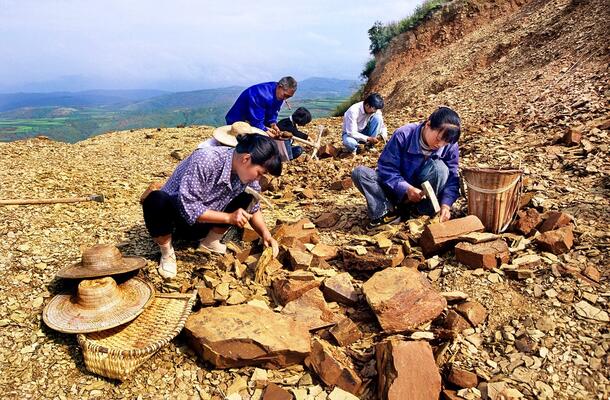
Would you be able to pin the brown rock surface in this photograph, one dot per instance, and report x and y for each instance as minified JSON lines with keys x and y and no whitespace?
{"x":275,"y":392}
{"x":527,"y":221}
{"x":346,"y":332}
{"x":455,"y":322}
{"x":287,"y":290}
{"x":402,"y":299}
{"x":324,"y":251}
{"x":327,"y":219}
{"x":558,"y":241}
{"x":333,"y":366}
{"x":327,"y":151}
{"x":311,"y":310}
{"x":299,"y":259}
{"x":343,"y":184}
{"x":486,"y":255}
{"x":297,"y":231}
{"x":407,"y":370}
{"x":373,"y":260}
{"x":437,"y":237}
{"x":462,"y":378}
{"x":473,"y":311}
{"x":244,"y":335}
{"x":339,"y":288}
{"x":555,"y":220}
{"x":572,"y":137}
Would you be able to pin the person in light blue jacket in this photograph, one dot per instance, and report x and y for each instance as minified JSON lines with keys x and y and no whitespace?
{"x":418,"y":152}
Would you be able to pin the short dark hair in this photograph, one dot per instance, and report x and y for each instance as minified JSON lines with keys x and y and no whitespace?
{"x":301,"y":116}
{"x":262,"y":151}
{"x":288,"y":82}
{"x":447,"y":121}
{"x":374,"y":100}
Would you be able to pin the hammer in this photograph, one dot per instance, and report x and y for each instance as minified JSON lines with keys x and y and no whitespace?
{"x":427,"y":188}
{"x":257,"y":197}
{"x":94,"y":197}
{"x":233,"y":231}
{"x":315,"y":145}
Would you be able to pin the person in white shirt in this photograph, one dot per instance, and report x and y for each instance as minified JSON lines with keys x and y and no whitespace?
{"x":363,"y":122}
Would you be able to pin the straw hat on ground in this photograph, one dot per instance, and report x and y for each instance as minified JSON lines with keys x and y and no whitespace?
{"x":227,"y":135}
{"x":99,"y":304}
{"x":101,"y":260}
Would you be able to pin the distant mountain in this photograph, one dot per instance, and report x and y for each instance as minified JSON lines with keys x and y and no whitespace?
{"x":316,"y":88}
{"x":187,"y":100}
{"x":89,"y":98}
{"x":310,"y":89}
{"x":73,"y":116}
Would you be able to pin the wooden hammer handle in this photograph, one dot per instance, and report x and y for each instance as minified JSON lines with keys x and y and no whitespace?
{"x":13,"y":202}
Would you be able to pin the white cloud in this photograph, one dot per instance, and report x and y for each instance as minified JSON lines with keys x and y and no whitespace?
{"x":207,"y":43}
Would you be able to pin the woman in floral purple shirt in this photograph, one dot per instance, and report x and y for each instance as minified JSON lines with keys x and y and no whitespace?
{"x":205,"y":195}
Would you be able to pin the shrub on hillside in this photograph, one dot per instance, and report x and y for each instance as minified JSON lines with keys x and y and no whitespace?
{"x":380,"y":35}
{"x":368,"y":68}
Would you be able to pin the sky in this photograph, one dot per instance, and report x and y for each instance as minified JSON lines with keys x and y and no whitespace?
{"x":49,"y":45}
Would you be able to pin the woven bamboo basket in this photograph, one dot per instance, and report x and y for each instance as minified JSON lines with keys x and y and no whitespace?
{"x":117,"y":352}
{"x":493,"y":195}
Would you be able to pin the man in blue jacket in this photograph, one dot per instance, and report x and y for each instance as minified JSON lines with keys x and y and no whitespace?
{"x":260,"y":104}
{"x":419,"y":152}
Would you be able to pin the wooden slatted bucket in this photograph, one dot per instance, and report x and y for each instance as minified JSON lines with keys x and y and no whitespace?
{"x":493,"y":195}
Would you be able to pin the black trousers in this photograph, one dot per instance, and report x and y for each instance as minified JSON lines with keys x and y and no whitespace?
{"x":163,"y":218}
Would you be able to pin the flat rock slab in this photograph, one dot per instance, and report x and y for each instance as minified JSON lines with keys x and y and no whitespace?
{"x":324,"y":251}
{"x":298,"y":231}
{"x":437,"y":237}
{"x":462,"y":378}
{"x":275,"y":392}
{"x":333,"y":366}
{"x":327,"y":151}
{"x":402,"y":299}
{"x":311,"y":310}
{"x":527,"y":221}
{"x":407,"y":370}
{"x":245,"y":335}
{"x":339,"y":288}
{"x":454,"y":322}
{"x":289,"y":289}
{"x":374,"y":259}
{"x":558,"y":241}
{"x":346,"y":332}
{"x":327,"y":219}
{"x":299,"y":259}
{"x":488,"y":255}
{"x":555,"y":220}
{"x":473,"y":311}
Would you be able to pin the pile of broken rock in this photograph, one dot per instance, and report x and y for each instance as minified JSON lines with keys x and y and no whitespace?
{"x":362,"y":337}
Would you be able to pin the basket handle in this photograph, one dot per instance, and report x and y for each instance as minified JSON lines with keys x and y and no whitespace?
{"x":493,"y":191}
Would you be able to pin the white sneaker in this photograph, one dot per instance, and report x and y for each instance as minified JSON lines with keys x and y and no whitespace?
{"x":167,"y":266}
{"x":212,"y":243}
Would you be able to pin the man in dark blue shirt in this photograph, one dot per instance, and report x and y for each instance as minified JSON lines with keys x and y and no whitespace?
{"x":260,"y":104}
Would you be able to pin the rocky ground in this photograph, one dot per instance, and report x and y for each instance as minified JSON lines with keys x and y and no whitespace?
{"x":534,"y":340}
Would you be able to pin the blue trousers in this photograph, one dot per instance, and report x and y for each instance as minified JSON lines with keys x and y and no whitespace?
{"x":371,"y":129}
{"x":379,"y":201}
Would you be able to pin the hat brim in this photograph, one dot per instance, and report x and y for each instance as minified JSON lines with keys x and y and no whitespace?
{"x":63,"y":314}
{"x":78,"y":271}
{"x":222,"y":135}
